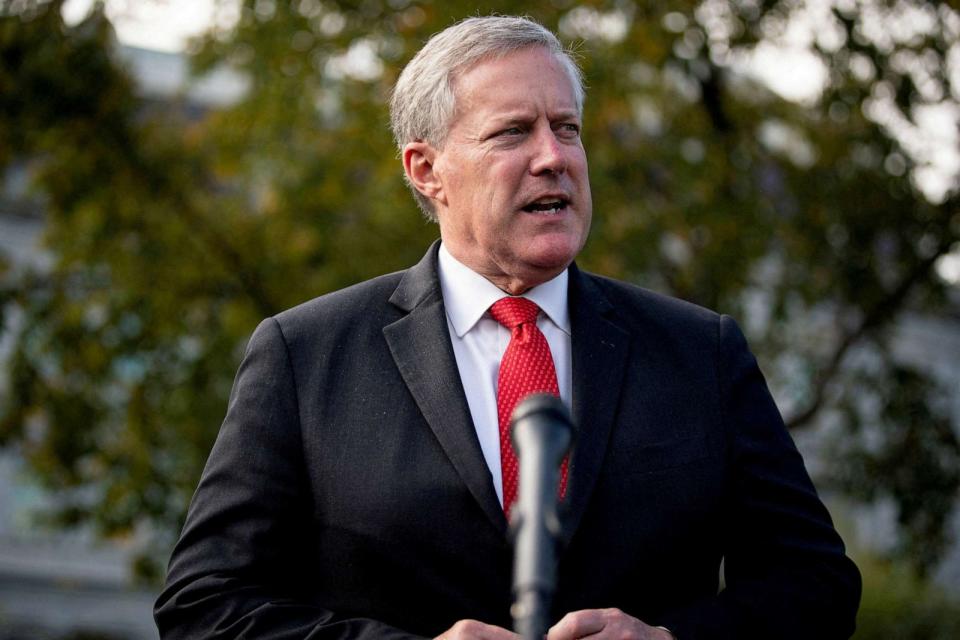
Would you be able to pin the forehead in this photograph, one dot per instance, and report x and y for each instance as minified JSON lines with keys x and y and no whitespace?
{"x":531,"y":76}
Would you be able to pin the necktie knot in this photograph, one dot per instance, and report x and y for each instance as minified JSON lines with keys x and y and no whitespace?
{"x":513,"y":312}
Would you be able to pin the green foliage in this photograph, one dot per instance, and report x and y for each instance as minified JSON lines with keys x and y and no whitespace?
{"x":173,"y":233}
{"x":910,"y":453}
{"x":896,"y":604}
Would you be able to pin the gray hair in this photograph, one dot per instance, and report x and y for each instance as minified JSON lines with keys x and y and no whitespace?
{"x":423,"y":102}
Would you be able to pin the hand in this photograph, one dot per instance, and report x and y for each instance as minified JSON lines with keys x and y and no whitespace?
{"x":474,"y":630}
{"x":604,"y":624}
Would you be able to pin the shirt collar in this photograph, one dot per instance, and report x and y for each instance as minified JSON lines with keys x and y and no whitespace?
{"x":467,"y":295}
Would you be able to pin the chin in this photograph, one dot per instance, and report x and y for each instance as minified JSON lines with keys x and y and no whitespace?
{"x":546,"y":265}
{"x":553,"y":253}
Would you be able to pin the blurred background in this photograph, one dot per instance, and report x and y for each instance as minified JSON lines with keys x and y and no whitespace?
{"x":173,"y":171}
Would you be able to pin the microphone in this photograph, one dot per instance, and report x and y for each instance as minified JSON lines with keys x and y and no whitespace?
{"x":542,"y":433}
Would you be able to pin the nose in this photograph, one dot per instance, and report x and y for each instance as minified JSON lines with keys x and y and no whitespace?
{"x":548,"y":153}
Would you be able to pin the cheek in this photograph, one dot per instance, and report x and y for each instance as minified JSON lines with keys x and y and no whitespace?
{"x":505,"y":173}
{"x":578,"y":161}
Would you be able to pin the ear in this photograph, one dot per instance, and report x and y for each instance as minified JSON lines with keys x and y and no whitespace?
{"x":418,"y":163}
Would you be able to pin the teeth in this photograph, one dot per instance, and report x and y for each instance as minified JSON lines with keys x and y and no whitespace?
{"x":552,"y":206}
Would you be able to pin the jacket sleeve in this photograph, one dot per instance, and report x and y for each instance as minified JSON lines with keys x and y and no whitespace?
{"x":239,"y":568}
{"x":786,"y":572}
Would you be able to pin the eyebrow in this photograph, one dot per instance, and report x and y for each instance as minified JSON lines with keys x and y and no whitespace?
{"x":523,"y":116}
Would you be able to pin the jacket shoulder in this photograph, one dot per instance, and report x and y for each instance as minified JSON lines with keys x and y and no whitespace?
{"x":631,"y":302}
{"x":362,"y":304}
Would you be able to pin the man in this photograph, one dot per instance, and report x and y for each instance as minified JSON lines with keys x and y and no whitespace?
{"x":358,"y":484}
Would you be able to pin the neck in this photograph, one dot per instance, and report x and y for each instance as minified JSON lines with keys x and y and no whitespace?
{"x":515,"y":283}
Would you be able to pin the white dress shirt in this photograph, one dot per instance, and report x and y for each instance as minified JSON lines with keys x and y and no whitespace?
{"x":479,"y":342}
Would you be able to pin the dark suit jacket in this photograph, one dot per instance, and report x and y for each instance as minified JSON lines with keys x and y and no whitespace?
{"x":347,"y":496}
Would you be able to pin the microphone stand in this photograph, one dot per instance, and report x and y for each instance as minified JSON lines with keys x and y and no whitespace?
{"x":542,"y":434}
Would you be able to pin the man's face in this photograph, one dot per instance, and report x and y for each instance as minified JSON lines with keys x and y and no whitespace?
{"x":514,"y":196}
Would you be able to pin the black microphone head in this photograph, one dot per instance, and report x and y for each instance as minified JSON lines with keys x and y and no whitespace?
{"x":546,"y":411}
{"x":544,"y":403}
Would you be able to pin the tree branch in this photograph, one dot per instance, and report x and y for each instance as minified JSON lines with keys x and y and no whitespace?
{"x":248,"y":279}
{"x":880,"y":313}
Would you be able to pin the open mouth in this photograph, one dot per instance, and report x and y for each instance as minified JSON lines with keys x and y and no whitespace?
{"x":550,"y":206}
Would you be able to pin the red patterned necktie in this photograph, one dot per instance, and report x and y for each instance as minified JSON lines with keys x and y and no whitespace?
{"x":526,"y":368}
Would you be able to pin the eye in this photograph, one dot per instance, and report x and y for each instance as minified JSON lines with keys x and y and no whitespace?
{"x":511,"y":131}
{"x":570,"y":129}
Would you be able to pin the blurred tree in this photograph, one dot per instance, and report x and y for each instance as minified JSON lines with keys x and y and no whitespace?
{"x":903,"y":607}
{"x":172,"y":235}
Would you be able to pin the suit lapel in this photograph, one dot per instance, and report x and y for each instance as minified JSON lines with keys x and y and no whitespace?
{"x":600,"y":354}
{"x":420,"y":344}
